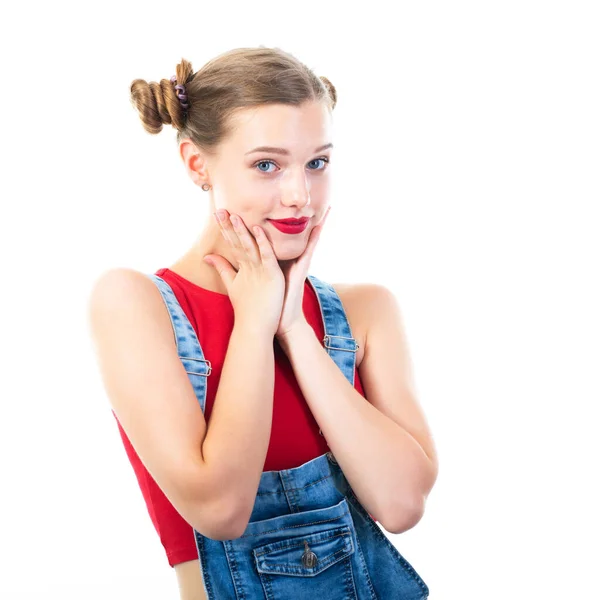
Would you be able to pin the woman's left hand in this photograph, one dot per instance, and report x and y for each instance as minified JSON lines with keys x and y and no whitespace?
{"x":295,"y":273}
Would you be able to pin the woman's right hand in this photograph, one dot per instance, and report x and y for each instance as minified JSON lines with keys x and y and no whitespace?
{"x":257,"y":288}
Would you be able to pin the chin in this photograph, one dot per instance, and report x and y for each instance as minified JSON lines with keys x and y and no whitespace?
{"x":288,"y":254}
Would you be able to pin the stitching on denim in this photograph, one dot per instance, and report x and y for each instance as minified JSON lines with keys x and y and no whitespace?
{"x":411,"y":571}
{"x":205,"y":574}
{"x":365,"y":570}
{"x":350,"y":583}
{"x":300,"y":542}
{"x":330,"y":560}
{"x":295,"y":526}
{"x":233,"y":571}
{"x":266,"y":582}
{"x":296,"y":488}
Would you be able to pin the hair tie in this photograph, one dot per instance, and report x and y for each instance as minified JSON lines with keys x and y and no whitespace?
{"x":181,"y":93}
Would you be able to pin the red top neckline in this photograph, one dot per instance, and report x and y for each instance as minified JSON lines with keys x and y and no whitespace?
{"x":192,"y":285}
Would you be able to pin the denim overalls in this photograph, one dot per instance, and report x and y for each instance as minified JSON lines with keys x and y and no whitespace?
{"x":308,"y":535}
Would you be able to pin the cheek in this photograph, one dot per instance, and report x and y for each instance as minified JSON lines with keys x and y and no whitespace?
{"x":252,"y":214}
{"x":240,"y":200}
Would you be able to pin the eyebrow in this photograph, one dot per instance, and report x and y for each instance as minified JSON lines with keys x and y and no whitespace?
{"x":275,"y":150}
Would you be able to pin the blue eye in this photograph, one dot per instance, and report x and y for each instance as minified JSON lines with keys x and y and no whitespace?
{"x":270,"y":162}
{"x":264,"y":162}
{"x":326,"y":160}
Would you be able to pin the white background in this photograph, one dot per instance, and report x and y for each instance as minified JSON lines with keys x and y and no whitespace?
{"x":467,"y":147}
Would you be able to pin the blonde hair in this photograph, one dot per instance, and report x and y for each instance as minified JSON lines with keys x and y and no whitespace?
{"x":238,"y":79}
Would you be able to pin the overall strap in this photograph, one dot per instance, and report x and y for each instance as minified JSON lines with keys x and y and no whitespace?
{"x":188,"y":346}
{"x":338,"y":340}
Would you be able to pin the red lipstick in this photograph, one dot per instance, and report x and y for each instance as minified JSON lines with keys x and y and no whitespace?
{"x":290,"y":225}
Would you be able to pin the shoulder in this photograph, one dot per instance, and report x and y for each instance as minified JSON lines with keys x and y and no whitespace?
{"x":360,"y":291}
{"x":363,"y":297}
{"x":368,"y":302}
{"x":122,"y":291}
{"x":361,"y":302}
{"x":118,"y":281}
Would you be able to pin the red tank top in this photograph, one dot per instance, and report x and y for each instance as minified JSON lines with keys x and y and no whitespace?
{"x":295,"y":437}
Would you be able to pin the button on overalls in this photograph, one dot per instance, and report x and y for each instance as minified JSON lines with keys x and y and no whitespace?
{"x":308,"y":535}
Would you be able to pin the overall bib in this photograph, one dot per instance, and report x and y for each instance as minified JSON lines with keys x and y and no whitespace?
{"x":308,"y":535}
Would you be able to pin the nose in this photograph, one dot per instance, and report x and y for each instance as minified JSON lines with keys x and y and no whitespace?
{"x":295,"y":190}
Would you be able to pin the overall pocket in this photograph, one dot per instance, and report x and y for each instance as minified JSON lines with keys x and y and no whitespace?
{"x":316,"y":565}
{"x":392,"y":575}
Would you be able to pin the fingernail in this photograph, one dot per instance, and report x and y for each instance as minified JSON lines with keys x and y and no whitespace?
{"x":220,"y":215}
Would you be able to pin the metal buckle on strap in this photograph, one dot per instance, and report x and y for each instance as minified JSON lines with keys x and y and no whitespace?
{"x":325,"y":339}
{"x":200,"y":360}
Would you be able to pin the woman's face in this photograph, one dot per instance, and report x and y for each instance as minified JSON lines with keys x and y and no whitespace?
{"x":267,"y":184}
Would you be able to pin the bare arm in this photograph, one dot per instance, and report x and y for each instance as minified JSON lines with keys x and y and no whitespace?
{"x":189,"y":580}
{"x":209,"y":474}
{"x":240,"y":423}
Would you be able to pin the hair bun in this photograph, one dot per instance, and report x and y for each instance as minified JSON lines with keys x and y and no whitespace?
{"x":331,"y":89}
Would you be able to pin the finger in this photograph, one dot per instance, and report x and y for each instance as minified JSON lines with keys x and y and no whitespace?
{"x":315,"y":234}
{"x":246,"y":240}
{"x":239,"y":238}
{"x":221,"y":224}
{"x":313,"y":241}
{"x":223,"y":268}
{"x":229,"y":233}
{"x":325,"y":217}
{"x":264,"y":245}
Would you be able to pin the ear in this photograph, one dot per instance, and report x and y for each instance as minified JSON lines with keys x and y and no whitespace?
{"x":194,"y":161}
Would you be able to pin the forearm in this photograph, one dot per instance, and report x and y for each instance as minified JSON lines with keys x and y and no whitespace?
{"x":388,"y":470}
{"x":189,"y":580}
{"x":238,"y":433}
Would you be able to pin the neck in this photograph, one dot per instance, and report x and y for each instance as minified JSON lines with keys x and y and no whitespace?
{"x":191,"y":265}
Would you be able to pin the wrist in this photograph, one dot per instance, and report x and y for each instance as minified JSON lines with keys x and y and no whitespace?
{"x":298,"y":328}
{"x":252,"y":330}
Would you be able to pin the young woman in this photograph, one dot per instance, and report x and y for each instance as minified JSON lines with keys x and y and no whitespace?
{"x":270,"y":417}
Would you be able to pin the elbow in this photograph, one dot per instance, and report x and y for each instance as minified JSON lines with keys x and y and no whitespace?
{"x":220,"y":522}
{"x":226,"y":531}
{"x":214,"y":509}
{"x":407,"y":515}
{"x":231,"y":529}
{"x":218,"y":528}
{"x":404,"y":518}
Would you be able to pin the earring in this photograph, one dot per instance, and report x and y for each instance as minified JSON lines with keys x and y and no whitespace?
{"x":206,"y":187}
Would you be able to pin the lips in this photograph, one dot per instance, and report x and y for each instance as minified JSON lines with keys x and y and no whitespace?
{"x":290,"y":225}
{"x":290,"y":221}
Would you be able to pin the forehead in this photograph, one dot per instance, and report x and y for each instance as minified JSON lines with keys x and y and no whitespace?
{"x":298,"y":128}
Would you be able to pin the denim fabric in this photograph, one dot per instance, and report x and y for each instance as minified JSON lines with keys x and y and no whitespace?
{"x":308,"y":535}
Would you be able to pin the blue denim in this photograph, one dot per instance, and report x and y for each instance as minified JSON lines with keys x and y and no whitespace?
{"x":308,"y":535}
